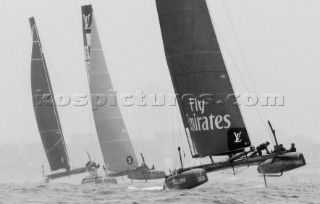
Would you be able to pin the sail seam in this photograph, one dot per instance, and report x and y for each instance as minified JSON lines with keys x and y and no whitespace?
{"x":108,"y":118}
{"x":48,"y":150}
{"x":99,"y":72}
{"x":191,"y":53}
{"x":122,"y":140}
{"x":198,"y":72}
{"x":49,"y":131}
{"x":170,"y":10}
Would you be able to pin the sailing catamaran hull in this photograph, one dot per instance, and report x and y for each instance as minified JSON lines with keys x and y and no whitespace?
{"x":282,"y":163}
{"x":74,"y":179}
{"x":95,"y":178}
{"x":187,"y":179}
{"x":147,"y":175}
{"x":268,"y":164}
{"x":67,"y":173}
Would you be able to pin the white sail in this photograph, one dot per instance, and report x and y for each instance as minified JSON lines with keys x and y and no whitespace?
{"x":113,"y":137}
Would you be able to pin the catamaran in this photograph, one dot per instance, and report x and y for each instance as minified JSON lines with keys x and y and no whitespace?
{"x":200,"y":79}
{"x":116,"y":147}
{"x":46,"y":113}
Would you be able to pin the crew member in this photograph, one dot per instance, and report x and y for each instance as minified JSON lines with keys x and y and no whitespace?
{"x":153,"y":168}
{"x":263,"y":146}
{"x":292,"y":148}
{"x":88,"y":164}
{"x":276,"y":149}
{"x":281,"y":148}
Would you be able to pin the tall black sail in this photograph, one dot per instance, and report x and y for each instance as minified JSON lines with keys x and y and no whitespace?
{"x":113,"y":137}
{"x":206,"y":98}
{"x":45,"y":107}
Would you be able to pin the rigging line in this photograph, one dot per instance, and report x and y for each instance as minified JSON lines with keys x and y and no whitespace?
{"x":180,"y":132}
{"x":173,"y":141}
{"x":241,"y":77}
{"x":244,"y":59}
{"x":242,"y":53}
{"x":180,"y":144}
{"x":223,"y":58}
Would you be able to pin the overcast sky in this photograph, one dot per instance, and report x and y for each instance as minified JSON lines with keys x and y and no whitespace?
{"x":279,"y":39}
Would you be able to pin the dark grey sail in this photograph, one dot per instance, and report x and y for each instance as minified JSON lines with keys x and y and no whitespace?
{"x":113,"y":137}
{"x":45,"y":107}
{"x":212,"y":118}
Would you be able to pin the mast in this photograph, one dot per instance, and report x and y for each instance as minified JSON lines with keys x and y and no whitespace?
{"x":143,"y":161}
{"x":114,"y":140}
{"x":199,"y":76}
{"x":45,"y":107}
{"x":180,"y":158}
{"x":274,"y":134}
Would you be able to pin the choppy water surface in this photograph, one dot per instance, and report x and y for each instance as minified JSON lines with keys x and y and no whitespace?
{"x":219,"y":190}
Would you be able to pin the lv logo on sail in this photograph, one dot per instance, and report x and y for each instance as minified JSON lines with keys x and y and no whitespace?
{"x":237,"y":136}
{"x":129,"y":160}
{"x":86,"y":21}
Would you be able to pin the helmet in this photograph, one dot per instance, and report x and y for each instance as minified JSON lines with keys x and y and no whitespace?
{"x":292,"y":144}
{"x":267,"y":143}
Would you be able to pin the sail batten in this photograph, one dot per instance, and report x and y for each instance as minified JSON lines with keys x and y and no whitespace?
{"x":114,"y":140}
{"x":206,"y":98}
{"x":45,"y":107}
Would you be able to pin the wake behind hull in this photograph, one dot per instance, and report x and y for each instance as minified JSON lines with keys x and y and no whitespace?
{"x":147,"y":175}
{"x":98,"y":180}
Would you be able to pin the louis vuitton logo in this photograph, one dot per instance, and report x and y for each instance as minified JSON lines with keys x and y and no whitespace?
{"x":237,"y":136}
{"x":129,"y":160}
{"x":86,"y":21}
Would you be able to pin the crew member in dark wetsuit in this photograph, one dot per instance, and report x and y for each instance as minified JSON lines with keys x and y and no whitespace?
{"x":91,"y":165}
{"x":275,"y":150}
{"x":263,"y":146}
{"x":281,"y":148}
{"x":88,"y":164}
{"x":292,"y":148}
{"x":252,"y":148}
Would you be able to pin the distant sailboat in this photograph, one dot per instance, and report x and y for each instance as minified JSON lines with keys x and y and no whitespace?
{"x":116,"y":147}
{"x":46,"y":112}
{"x":213,"y":126}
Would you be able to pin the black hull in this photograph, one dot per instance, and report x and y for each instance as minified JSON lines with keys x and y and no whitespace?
{"x":187,"y":179}
{"x":282,"y":163}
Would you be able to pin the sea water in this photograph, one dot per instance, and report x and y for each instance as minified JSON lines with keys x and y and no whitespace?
{"x":221,"y":188}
